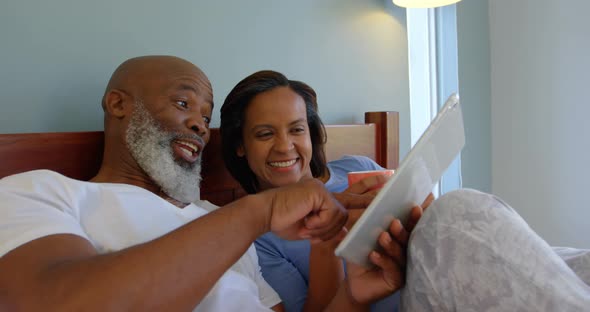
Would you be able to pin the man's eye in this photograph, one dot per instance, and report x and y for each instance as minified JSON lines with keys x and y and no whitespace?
{"x":207,"y":119}
{"x":183,"y":104}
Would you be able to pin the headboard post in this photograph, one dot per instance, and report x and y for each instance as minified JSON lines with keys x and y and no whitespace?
{"x":387,"y":137}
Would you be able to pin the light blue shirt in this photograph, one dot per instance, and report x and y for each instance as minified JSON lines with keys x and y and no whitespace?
{"x":285,"y":264}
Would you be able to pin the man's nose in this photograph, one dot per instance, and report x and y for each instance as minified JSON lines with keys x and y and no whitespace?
{"x":198,"y":125}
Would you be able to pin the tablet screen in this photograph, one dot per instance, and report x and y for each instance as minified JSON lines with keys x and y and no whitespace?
{"x":415,"y":178}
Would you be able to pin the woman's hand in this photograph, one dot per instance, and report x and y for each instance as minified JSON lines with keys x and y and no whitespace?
{"x":369,"y":185}
{"x":388,"y":275}
{"x":370,"y":284}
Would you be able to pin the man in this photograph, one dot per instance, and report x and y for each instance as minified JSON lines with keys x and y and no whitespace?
{"x":136,"y":237}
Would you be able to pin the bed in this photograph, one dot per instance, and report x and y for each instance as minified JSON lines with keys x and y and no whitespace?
{"x":78,"y":154}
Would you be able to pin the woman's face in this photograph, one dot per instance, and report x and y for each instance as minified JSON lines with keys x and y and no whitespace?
{"x":276,"y":138}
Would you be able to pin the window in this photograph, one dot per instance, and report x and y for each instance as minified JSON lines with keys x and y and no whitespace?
{"x":432,"y":45}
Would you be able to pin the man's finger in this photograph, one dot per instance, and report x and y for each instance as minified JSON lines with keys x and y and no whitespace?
{"x":326,"y":218}
{"x":321,"y":235}
{"x":354,"y":201}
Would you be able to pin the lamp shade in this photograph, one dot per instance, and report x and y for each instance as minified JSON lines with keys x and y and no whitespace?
{"x":423,"y":3}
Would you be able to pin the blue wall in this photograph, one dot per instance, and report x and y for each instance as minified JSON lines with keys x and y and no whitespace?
{"x":473,"y":49}
{"x":57,"y":56}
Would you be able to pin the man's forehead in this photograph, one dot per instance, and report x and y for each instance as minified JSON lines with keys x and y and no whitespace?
{"x":200,"y":87}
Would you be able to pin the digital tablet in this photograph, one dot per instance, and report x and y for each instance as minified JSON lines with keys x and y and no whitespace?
{"x":412,"y":181}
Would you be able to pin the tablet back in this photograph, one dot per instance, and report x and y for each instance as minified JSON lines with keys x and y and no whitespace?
{"x":413,"y":180}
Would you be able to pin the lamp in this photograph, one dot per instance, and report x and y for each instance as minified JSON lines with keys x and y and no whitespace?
{"x":423,"y":3}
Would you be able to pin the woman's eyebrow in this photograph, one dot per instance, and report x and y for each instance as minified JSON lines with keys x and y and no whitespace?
{"x":300,"y":120}
{"x":265,"y":126}
{"x":259,"y":127}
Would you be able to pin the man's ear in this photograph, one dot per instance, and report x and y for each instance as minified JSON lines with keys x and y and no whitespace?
{"x":240,"y":151}
{"x":116,"y":103}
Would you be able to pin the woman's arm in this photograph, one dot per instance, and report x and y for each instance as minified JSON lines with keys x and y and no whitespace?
{"x":364,"y":286}
{"x":282,"y":271}
{"x":326,"y":274}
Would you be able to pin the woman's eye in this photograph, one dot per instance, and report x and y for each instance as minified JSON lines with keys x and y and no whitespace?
{"x":183,"y":104}
{"x":298,"y":130}
{"x":207,"y":119}
{"x":263,"y":134}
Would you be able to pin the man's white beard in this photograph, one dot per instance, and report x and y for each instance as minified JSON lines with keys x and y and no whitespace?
{"x":150,"y":145}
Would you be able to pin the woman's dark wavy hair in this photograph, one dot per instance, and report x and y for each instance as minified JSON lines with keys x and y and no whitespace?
{"x":232,"y":122}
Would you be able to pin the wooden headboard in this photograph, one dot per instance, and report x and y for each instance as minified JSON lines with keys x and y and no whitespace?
{"x":78,"y":154}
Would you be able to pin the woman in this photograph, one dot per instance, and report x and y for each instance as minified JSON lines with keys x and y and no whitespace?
{"x":465,"y":234}
{"x":272,"y":136}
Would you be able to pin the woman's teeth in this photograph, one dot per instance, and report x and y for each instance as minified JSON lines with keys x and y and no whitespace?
{"x":282,"y":164}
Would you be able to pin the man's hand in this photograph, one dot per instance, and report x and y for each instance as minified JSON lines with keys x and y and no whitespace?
{"x":354,"y":201}
{"x":355,"y":204}
{"x":305,"y":210}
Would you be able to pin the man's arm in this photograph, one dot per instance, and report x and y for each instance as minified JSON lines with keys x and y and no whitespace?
{"x":173,"y":272}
